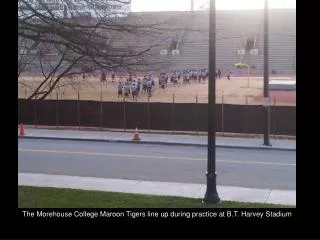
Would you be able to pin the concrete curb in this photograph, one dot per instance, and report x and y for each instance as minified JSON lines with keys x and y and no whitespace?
{"x":190,"y":133}
{"x":159,"y":143}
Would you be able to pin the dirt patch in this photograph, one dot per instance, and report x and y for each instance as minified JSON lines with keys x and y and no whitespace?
{"x":236,"y":91}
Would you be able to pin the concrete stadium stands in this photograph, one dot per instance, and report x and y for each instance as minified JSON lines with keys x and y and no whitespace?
{"x":233,"y":28}
{"x":191,"y":31}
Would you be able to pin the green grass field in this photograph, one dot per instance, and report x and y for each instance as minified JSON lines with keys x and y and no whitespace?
{"x":38,"y":197}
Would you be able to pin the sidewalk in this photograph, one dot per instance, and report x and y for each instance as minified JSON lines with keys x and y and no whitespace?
{"x":226,"y":193}
{"x":163,"y":139}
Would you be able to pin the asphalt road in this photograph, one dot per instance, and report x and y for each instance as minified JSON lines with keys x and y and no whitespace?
{"x":235,"y":167}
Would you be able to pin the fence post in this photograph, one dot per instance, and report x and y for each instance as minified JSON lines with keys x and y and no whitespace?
{"x":245,"y":116}
{"x":25,"y":91}
{"x":57,"y":110}
{"x":35,"y":119}
{"x":124,"y":114}
{"x":100,"y":89}
{"x":148,"y":115}
{"x":78,"y":103}
{"x":101,"y":112}
{"x":172,"y":115}
{"x":274,"y":116}
{"x":197,"y":115}
{"x":222,"y":113}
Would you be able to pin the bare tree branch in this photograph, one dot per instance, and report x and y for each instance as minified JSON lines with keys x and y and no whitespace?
{"x":66,"y":45}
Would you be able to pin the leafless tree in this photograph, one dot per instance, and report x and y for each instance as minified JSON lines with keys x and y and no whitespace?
{"x":64,"y":38}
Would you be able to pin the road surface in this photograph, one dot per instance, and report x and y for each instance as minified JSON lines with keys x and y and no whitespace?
{"x":235,"y":167}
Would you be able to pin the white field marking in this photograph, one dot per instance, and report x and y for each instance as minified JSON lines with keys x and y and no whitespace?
{"x":152,"y":157}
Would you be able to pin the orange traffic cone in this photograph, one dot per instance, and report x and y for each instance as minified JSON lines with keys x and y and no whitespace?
{"x":136,"y":136}
{"x":21,"y":129}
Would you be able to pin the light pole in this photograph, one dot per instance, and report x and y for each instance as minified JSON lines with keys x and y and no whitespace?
{"x":266,"y":137}
{"x":211,"y":195}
